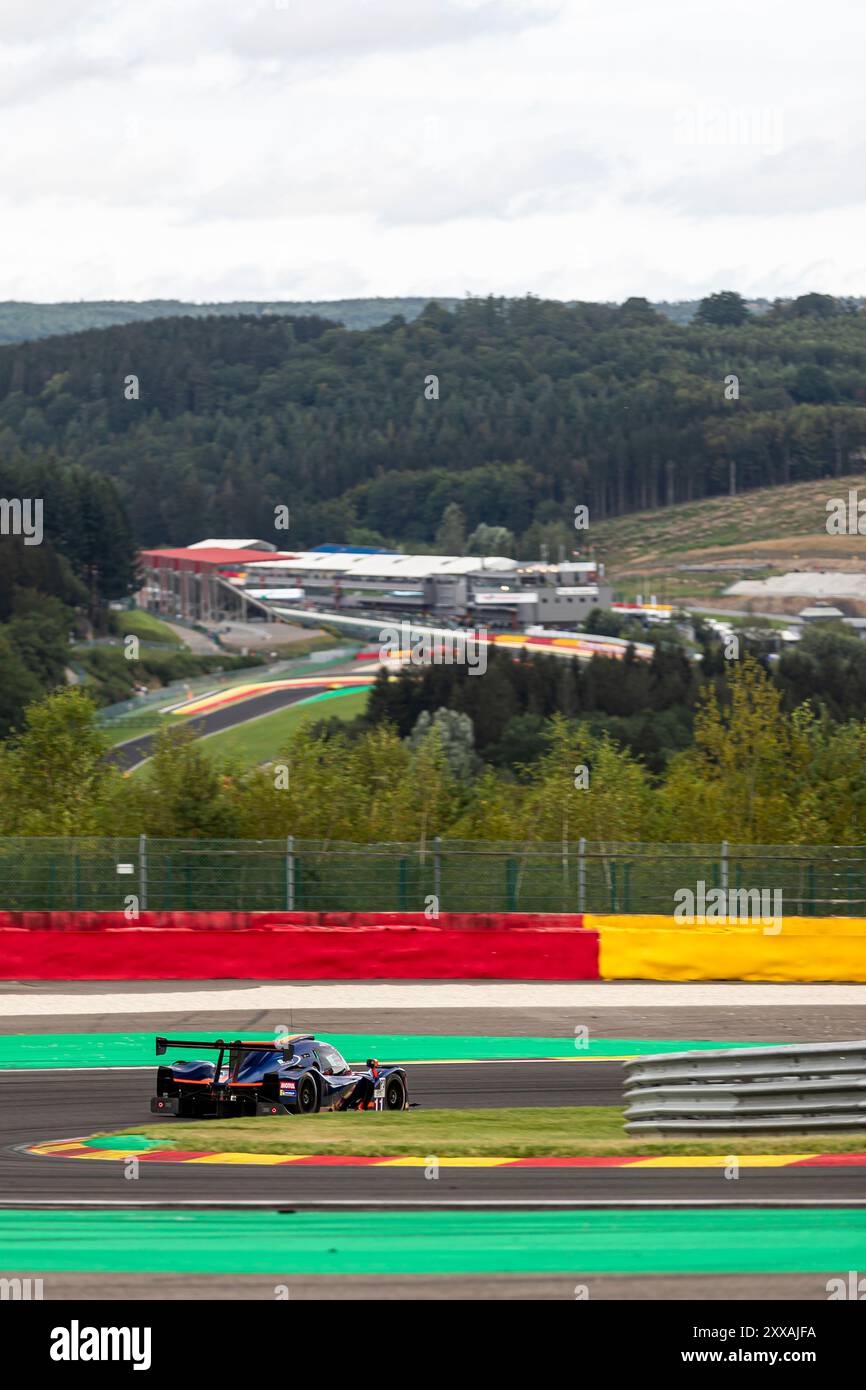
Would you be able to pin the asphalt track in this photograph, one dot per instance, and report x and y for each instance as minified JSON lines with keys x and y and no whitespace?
{"x":39,"y":1105}
{"x":137,"y":750}
{"x":236,"y":1006}
{"x":43,"y":1105}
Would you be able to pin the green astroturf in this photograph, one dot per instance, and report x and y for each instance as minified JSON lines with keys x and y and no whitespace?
{"x":36,"y":1050}
{"x":292,"y":1244}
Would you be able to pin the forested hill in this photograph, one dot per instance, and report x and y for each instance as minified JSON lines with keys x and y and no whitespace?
{"x":21,"y":321}
{"x":540,"y":406}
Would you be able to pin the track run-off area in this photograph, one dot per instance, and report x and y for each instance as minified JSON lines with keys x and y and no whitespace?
{"x":235,"y":705}
{"x":76,"y":1060}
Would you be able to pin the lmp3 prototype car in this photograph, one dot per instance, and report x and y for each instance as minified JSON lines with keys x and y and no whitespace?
{"x":297,"y":1075}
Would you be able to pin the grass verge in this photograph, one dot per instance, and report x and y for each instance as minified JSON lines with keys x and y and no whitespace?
{"x":147,"y":627}
{"x":263,"y":737}
{"x":136,"y":726}
{"x":563,"y":1131}
{"x":782,"y":526}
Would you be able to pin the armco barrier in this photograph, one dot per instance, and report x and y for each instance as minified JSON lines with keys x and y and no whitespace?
{"x":294,"y":946}
{"x":806,"y":949}
{"x":796,"y":1088}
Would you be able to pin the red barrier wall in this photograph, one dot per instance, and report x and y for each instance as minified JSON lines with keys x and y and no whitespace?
{"x":286,"y":921}
{"x":295,"y":946}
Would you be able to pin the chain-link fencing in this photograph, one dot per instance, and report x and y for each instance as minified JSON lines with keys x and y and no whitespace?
{"x":78,"y":874}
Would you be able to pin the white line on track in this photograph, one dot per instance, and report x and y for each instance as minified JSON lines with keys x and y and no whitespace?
{"x":289,"y":1204}
{"x":427,"y":995}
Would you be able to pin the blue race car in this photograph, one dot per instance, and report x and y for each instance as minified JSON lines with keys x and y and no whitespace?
{"x":298,"y":1075}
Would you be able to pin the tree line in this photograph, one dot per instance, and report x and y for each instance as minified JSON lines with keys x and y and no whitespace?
{"x":754,"y":771}
{"x":85,"y":556}
{"x":647,"y":708}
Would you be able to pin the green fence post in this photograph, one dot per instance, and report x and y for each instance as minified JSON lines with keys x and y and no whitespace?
{"x":849,"y":889}
{"x":437,"y":872}
{"x":142,"y":872}
{"x":626,"y":887}
{"x":290,"y":873}
{"x":402,"y":888}
{"x":77,"y":882}
{"x":581,"y":875}
{"x":510,"y":886}
{"x":811,"y":882}
{"x":613,"y":887}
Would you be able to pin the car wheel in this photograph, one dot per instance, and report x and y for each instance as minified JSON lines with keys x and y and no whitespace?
{"x":307,"y":1101}
{"x":395,"y":1093}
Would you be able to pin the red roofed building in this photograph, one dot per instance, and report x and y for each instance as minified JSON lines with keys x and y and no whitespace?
{"x":187,"y":582}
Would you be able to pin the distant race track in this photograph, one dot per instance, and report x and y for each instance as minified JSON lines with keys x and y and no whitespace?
{"x":128,"y":755}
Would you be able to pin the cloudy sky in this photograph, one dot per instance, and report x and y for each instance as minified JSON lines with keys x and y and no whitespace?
{"x":320,"y":149}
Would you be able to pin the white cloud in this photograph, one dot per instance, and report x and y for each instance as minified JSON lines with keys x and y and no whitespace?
{"x":811,"y":177}
{"x":221,"y":149}
{"x":401,"y":188}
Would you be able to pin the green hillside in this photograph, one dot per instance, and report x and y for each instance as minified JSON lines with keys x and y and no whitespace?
{"x":697,"y":549}
{"x":509,"y":412}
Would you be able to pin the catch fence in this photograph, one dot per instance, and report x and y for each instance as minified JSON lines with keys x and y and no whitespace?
{"x":89,"y":874}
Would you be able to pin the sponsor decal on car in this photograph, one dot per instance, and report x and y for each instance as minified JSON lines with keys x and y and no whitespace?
{"x":287,"y":1088}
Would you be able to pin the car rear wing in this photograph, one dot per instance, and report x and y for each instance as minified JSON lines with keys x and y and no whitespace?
{"x":221,"y":1045}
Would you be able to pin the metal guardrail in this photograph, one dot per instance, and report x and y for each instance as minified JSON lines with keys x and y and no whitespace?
{"x":793,"y":1089}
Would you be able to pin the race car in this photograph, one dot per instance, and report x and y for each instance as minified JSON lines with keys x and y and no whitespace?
{"x":297,"y":1075}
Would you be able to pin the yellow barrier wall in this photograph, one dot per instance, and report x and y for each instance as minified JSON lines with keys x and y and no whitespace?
{"x":807,"y":949}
